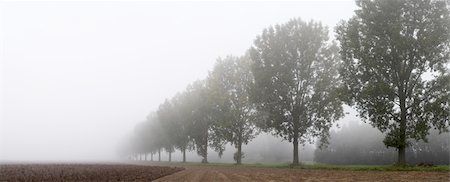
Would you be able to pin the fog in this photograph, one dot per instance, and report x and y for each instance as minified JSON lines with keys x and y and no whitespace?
{"x":76,"y":77}
{"x":264,"y":149}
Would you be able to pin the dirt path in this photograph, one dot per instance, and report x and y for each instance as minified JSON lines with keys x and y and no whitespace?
{"x":219,"y":173}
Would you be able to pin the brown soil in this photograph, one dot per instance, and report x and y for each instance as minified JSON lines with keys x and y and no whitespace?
{"x":219,"y":173}
{"x":82,"y":172}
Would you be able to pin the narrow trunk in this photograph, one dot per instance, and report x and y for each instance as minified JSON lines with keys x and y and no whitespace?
{"x":295,"y":143}
{"x":239,"y":154}
{"x":151,"y":157}
{"x":145,"y":156}
{"x":159,"y":155}
{"x":239,"y":149}
{"x":205,"y":159}
{"x":296,"y":161}
{"x":170,"y":156}
{"x":401,"y":160}
{"x":205,"y":154}
{"x":184,"y":155}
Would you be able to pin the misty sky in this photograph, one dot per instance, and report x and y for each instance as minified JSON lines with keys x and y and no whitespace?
{"x":77,"y":76}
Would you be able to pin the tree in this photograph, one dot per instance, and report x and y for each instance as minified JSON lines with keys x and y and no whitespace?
{"x":142,"y":143}
{"x":230,"y":81}
{"x":388,"y":49}
{"x":146,"y":138}
{"x":139,"y":143}
{"x":172,"y":116}
{"x":156,"y":134}
{"x":161,"y":131}
{"x":360,"y":143}
{"x":354,"y":144}
{"x":295,"y":71}
{"x":202,"y":114}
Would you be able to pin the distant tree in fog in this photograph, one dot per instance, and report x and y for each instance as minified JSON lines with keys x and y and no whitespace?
{"x":355,"y":144}
{"x":147,"y":137}
{"x":141,"y":140}
{"x":295,"y":71}
{"x":230,"y":82}
{"x":387,"y":48}
{"x":202,"y":114}
{"x":359,"y":143}
{"x":436,"y":150}
{"x":156,"y":135}
{"x":172,"y":115}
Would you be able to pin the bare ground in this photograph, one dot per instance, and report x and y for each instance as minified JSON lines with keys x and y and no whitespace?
{"x":82,"y":172}
{"x":220,"y":173}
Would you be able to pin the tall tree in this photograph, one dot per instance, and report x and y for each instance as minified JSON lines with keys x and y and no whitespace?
{"x":295,"y":71}
{"x":394,"y":56}
{"x":172,"y":116}
{"x":139,"y":138}
{"x":166,"y":125}
{"x":230,"y":83}
{"x":203,"y":116}
{"x":156,"y":134}
{"x":147,"y":137}
{"x":144,"y":139}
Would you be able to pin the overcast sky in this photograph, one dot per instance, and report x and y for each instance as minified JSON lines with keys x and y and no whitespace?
{"x":75,"y":77}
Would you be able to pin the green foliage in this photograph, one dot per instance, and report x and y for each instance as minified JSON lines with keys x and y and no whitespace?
{"x":387,"y":48}
{"x":171,"y":115}
{"x":296,"y":76}
{"x":443,"y":168}
{"x":230,"y":81}
{"x":148,"y":136}
{"x":202,"y":114}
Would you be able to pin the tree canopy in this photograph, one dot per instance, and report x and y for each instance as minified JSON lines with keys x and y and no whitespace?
{"x":394,"y":55}
{"x":230,"y":83}
{"x":295,"y":71}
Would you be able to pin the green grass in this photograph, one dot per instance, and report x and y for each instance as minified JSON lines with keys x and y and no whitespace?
{"x":376,"y":167}
{"x":443,"y":168}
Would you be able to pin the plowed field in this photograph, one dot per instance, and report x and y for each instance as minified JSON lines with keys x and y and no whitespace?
{"x":82,"y":172}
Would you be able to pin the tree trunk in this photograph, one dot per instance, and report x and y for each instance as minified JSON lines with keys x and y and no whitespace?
{"x":239,"y":154}
{"x":239,"y":151}
{"x":205,"y":154}
{"x":295,"y":143}
{"x":401,"y":160}
{"x":151,"y":157}
{"x":295,"y":161}
{"x":184,"y":155}
{"x":145,"y":156}
{"x":159,"y":155}
{"x":170,"y":156}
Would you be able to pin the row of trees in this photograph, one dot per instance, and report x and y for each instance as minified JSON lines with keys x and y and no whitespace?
{"x":293,"y":81}
{"x":209,"y":113}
